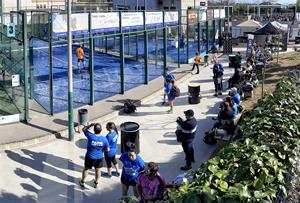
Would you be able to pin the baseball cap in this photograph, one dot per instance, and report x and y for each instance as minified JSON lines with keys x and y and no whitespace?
{"x":233,"y":90}
{"x":189,"y":112}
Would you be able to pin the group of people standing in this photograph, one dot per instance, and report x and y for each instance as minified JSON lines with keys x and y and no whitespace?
{"x":147,"y":183}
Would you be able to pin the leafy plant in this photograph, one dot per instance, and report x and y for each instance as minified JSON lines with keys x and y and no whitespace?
{"x":257,"y":164}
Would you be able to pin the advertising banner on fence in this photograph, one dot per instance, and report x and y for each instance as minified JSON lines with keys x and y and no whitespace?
{"x":105,"y":22}
{"x":216,"y":13}
{"x":154,"y":19}
{"x":171,"y":17}
{"x":132,"y":20}
{"x":202,"y":15}
{"x":79,"y":23}
{"x":222,"y":13}
{"x":210,"y":15}
{"x":192,"y":16}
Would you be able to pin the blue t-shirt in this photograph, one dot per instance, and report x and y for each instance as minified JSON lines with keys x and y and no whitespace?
{"x":236,"y":98}
{"x":112,"y":139}
{"x":131,"y":169}
{"x":234,"y":111}
{"x":169,"y":90}
{"x":168,"y":76}
{"x":96,"y":145}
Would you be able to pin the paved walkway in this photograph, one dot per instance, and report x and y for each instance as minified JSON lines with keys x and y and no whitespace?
{"x":50,"y":172}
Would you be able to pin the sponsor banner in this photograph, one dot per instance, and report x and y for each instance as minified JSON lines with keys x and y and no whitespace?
{"x":216,"y":13}
{"x":202,"y":15}
{"x":210,"y":14}
{"x":132,"y":19}
{"x":222,"y":13}
{"x":192,"y":16}
{"x":154,"y":19}
{"x":105,"y":22}
{"x":171,"y":17}
{"x":79,"y":23}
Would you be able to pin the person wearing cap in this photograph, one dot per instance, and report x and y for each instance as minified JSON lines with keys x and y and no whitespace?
{"x":218,"y":71}
{"x":235,"y":96}
{"x":150,"y":184}
{"x":80,"y":57}
{"x":188,"y":130}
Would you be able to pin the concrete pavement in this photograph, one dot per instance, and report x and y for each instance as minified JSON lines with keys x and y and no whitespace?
{"x":50,"y":172}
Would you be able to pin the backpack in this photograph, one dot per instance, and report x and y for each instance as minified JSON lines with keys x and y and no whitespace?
{"x":129,"y":107}
{"x":210,"y":138}
{"x":175,"y":91}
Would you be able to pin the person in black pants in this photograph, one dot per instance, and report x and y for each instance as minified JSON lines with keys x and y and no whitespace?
{"x":188,"y":130}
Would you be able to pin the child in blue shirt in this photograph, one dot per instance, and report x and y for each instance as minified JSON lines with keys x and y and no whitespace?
{"x":167,"y":76}
{"x":110,"y":156}
{"x":96,"y":145}
{"x":133,"y":164}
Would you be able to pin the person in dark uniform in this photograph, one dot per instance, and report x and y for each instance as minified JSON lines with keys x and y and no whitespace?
{"x":188,"y":130}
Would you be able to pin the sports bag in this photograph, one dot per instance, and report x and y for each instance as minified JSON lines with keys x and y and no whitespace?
{"x":176,"y":91}
{"x":129,"y":107}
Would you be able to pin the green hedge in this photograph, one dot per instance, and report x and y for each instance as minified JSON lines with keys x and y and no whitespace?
{"x":259,"y":163}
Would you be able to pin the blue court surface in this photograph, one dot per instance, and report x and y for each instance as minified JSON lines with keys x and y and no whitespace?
{"x":107,"y":80}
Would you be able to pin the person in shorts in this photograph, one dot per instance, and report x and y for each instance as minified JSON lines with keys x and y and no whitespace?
{"x":110,"y":156}
{"x":96,"y":145}
{"x":133,"y":164}
{"x":196,"y":62}
{"x":80,"y":57}
{"x":167,"y":76}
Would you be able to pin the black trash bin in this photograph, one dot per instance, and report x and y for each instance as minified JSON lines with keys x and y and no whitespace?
{"x":83,"y":117}
{"x":297,"y":40}
{"x":232,"y":61}
{"x":130,"y":133}
{"x":194,"y":93}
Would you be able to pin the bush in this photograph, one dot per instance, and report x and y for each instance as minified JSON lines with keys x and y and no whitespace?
{"x":259,"y":163}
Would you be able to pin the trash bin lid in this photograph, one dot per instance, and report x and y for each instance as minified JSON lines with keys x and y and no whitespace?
{"x":194,"y":84}
{"x":82,"y":111}
{"x":130,"y":127}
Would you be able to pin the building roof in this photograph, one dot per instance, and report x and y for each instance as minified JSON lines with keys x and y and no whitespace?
{"x":250,"y":23}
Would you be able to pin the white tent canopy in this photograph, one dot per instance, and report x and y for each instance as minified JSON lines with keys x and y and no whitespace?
{"x":245,"y":27}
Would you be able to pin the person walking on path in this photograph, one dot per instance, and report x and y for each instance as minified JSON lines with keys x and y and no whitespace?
{"x":196,"y":62}
{"x":188,"y":130}
{"x":133,"y":164}
{"x":172,"y":92}
{"x":80,"y":57}
{"x":167,"y":76}
{"x":150,"y":184}
{"x":218,"y":71}
{"x":96,"y":145}
{"x":110,"y":156}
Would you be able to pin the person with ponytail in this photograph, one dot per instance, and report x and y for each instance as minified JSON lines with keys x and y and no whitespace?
{"x":110,"y":156}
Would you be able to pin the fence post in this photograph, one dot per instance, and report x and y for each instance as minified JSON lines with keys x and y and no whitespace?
{"x":165,"y":41}
{"x":122,"y":57}
{"x":179,"y":36}
{"x":50,"y":64}
{"x":31,"y":75}
{"x":199,"y":33}
{"x":187,"y":36}
{"x":207,"y":37}
{"x":145,"y":50}
{"x":91,"y":61}
{"x":122,"y":62}
{"x":25,"y":46}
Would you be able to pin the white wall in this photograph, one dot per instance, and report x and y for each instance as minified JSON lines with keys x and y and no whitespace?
{"x":11,"y":5}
